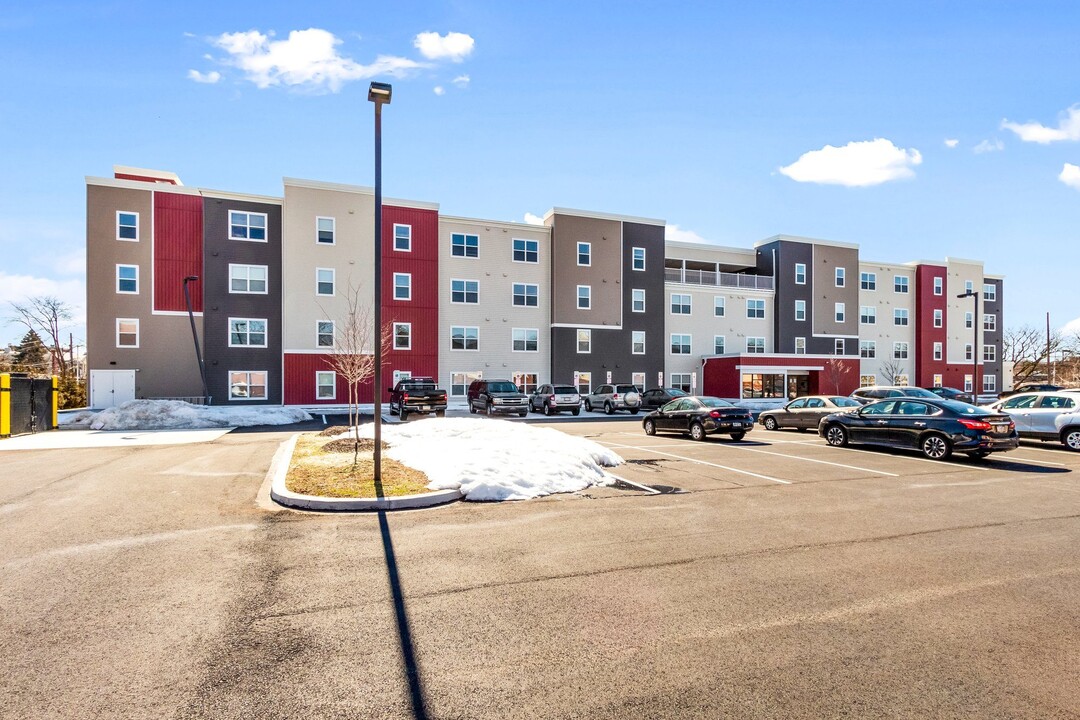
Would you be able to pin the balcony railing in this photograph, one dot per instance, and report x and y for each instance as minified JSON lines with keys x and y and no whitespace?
{"x":718,"y":279}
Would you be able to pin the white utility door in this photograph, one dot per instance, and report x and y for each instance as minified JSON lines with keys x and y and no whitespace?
{"x":109,"y":388}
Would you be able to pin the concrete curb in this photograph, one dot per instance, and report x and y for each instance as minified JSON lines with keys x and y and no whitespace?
{"x":279,"y":468}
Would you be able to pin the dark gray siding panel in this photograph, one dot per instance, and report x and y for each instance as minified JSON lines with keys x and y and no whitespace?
{"x":995,"y":337}
{"x":787,"y":292}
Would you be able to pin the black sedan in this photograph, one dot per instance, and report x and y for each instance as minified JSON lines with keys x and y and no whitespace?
{"x":699,"y":416}
{"x":934,"y":427}
{"x":658,"y":397}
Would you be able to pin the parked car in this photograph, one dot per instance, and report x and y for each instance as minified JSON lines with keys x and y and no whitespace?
{"x":1036,"y":414}
{"x":699,"y":416}
{"x":880,"y":392}
{"x":614,"y":397}
{"x":934,"y":427}
{"x":806,"y":412}
{"x":656,"y":397}
{"x":417,"y":395}
{"x":496,"y":396}
{"x":1068,"y":427}
{"x":952,"y":394}
{"x":555,"y":398}
{"x":1029,"y":387}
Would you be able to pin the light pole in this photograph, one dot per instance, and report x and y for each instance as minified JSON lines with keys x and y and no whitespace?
{"x":195,"y":337}
{"x":974,"y":345}
{"x":378,"y":93}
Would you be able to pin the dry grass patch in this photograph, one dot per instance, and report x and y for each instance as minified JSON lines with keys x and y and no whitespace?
{"x":314,"y":470}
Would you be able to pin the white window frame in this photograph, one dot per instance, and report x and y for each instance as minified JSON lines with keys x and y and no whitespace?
{"x":319,"y":333}
{"x":939,"y":351}
{"x":637,"y":300}
{"x":333,"y":282}
{"x":840,"y":312}
{"x":464,"y":246}
{"x":466,"y":378}
{"x":868,"y":281}
{"x":119,"y":279}
{"x":587,"y":297}
{"x":989,"y":383}
{"x":407,"y":286}
{"x":465,"y":338}
{"x":901,"y":284}
{"x":939,"y":285}
{"x":840,"y":277}
{"x":249,"y":373}
{"x":800,"y":272}
{"x":637,"y":337}
{"x":265,"y":228}
{"x":969,"y":352}
{"x":634,"y":259}
{"x":265,"y":332}
{"x":319,"y":374}
{"x":525,"y":251}
{"x":688,"y":304}
{"x":587,"y":335}
{"x":989,"y":293}
{"x":990,"y":322}
{"x":969,"y":320}
{"x":868,"y":315}
{"x":901,"y":350}
{"x":752,"y":342}
{"x":407,"y":238}
{"x":524,"y":294}
{"x":408,"y":336}
{"x":800,"y":346}
{"x":901,"y":317}
{"x":839,"y":346}
{"x":800,"y":311}
{"x":118,"y":333}
{"x":587,"y":254}
{"x":525,"y":339}
{"x":755,"y":301}
{"x":333,"y":230}
{"x":867,"y":380}
{"x":989,"y":353}
{"x":969,"y":286}
{"x":689,"y":344}
{"x":720,"y":340}
{"x":118,"y":226}
{"x":464,"y":292}
{"x":247,"y":270}
{"x":719,"y":306}
{"x":681,"y":381}
{"x":939,"y":318}
{"x":868,"y":349}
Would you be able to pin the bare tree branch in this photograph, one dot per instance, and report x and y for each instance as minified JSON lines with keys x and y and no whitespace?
{"x":44,"y":314}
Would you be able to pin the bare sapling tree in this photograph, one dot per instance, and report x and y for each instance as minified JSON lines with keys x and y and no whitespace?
{"x":836,"y":372}
{"x":892,"y":370}
{"x":44,"y":315}
{"x":1029,"y":349}
{"x":353,"y":353}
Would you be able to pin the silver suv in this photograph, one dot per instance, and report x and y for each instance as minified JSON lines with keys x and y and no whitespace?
{"x":1036,"y":413}
{"x":614,"y":397}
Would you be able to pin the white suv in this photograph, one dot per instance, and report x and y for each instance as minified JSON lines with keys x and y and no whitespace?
{"x":614,"y":397}
{"x":1068,"y":427}
{"x":1036,"y":415}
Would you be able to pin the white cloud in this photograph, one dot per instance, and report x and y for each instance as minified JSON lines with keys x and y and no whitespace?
{"x":533,"y":219}
{"x":209,"y":78}
{"x":440,"y":90}
{"x":951,"y":142}
{"x":307,"y":59}
{"x":1070,"y":175}
{"x":461,"y":81}
{"x":20,"y":288}
{"x":1068,"y":128}
{"x":857,"y":164}
{"x":452,"y":46}
{"x":987,"y":146}
{"x":1073,"y":326}
{"x":677,"y":234}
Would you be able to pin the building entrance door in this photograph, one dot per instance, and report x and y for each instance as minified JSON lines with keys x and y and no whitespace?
{"x":798,"y":385}
{"x":109,"y":388}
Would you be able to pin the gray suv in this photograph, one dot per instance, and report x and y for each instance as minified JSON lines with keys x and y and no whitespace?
{"x":1036,"y":413}
{"x":496,"y":396}
{"x":614,"y":397}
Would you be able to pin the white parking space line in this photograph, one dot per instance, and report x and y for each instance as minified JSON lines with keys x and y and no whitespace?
{"x":806,"y":459}
{"x":702,"y":462}
{"x":1032,"y":460}
{"x":646,"y":488}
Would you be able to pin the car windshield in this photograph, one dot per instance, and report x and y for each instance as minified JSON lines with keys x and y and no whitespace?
{"x":502,"y":387}
{"x":964,"y":408}
{"x":565,"y":390}
{"x":676,"y":392}
{"x":845,"y":402}
{"x":715,"y":402}
{"x":917,"y":392}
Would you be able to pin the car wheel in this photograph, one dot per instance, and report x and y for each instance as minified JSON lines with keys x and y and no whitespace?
{"x":1071,"y":438}
{"x":770,"y":423}
{"x":523,"y":413}
{"x":392,"y":410}
{"x":547,"y":410}
{"x":697,"y":432}
{"x":738,"y":436}
{"x":404,"y":414}
{"x":935,"y":447}
{"x":608,"y":410}
{"x":576,"y":411}
{"x":440,"y":413}
{"x":472,"y":408}
{"x":588,"y":406}
{"x":650,"y":427}
{"x":836,"y":436}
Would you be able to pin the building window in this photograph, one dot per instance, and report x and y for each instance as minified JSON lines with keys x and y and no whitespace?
{"x":755,"y":345}
{"x":841,"y":276}
{"x":639,"y":258}
{"x":867,"y":349}
{"x":247,"y":385}
{"x":526,"y":339}
{"x":247,"y":226}
{"x":526,"y":294}
{"x":800,"y":310}
{"x":900,"y":284}
{"x":939,"y":285}
{"x":938,"y":379}
{"x":584,"y":297}
{"x":465,"y":291}
{"x":969,"y":286}
{"x":938,"y":318}
{"x":900,"y":351}
{"x":526,"y":251}
{"x":718,"y":304}
{"x":867,"y":380}
{"x":324,"y":281}
{"x":990,"y":322}
{"x":402,"y":286}
{"x":839,"y":311}
{"x":325,"y":385}
{"x":638,"y":379}
{"x":403,"y":336}
{"x":761,"y":385}
{"x":868,"y":315}
{"x":755,"y":308}
{"x":938,"y":351}
{"x":989,"y":353}
{"x":402,"y":238}
{"x":680,"y":344}
{"x":989,"y":383}
{"x":637,"y":342}
{"x":247,"y":279}
{"x":584,"y":254}
{"x":127,"y":226}
{"x":800,"y":273}
{"x":247,"y":332}
{"x":637,"y":301}
{"x":324,"y":333}
{"x":127,"y":279}
{"x":968,"y":320}
{"x":900,"y":316}
{"x":127,"y":332}
{"x":990,"y":293}
{"x":584,"y":382}
{"x":800,"y":346}
{"x":680,"y":381}
{"x":584,"y":341}
{"x":838,"y":346}
{"x":324,"y":230}
{"x":526,"y":382}
{"x":967,"y":351}
{"x":459,"y":382}
{"x":868,"y":281}
{"x":680,"y":304}
{"x":464,"y":338}
{"x":967,"y":383}
{"x":462,"y":245}
{"x":718,"y":344}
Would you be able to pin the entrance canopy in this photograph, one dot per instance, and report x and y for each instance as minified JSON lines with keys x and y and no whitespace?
{"x":778,"y":375}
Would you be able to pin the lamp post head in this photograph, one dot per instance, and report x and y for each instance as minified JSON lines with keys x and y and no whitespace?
{"x":190,"y":278}
{"x":969,"y":293}
{"x":379,"y":93}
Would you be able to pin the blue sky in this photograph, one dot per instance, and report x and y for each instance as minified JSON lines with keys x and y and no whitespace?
{"x":915,"y":130}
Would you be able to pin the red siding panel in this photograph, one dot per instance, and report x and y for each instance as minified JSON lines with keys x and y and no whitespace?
{"x":722,"y":377}
{"x":178,"y":249}
{"x":300,"y":369}
{"x":925,"y":332}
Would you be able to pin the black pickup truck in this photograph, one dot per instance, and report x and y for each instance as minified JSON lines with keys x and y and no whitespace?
{"x":417,"y":395}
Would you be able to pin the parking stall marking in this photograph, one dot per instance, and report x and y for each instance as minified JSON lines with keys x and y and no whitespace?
{"x":699,"y":462}
{"x":1039,"y":462}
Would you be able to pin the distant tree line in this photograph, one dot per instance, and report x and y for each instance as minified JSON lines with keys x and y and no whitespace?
{"x":41,"y":351}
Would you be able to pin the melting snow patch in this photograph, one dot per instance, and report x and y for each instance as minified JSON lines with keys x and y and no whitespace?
{"x":176,"y":414}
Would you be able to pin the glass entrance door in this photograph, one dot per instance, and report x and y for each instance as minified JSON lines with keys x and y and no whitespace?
{"x":798,"y":385}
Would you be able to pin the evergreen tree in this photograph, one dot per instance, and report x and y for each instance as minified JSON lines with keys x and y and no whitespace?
{"x":31,"y":355}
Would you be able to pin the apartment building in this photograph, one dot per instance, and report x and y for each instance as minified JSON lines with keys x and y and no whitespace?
{"x":278,"y":285}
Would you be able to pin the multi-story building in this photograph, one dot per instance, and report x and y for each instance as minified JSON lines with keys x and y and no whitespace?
{"x":279,"y":286}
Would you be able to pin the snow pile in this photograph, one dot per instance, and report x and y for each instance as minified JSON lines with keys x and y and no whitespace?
{"x":496,"y":459}
{"x":177,"y":415}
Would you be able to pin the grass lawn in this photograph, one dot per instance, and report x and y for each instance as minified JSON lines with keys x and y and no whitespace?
{"x":323,"y":467}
